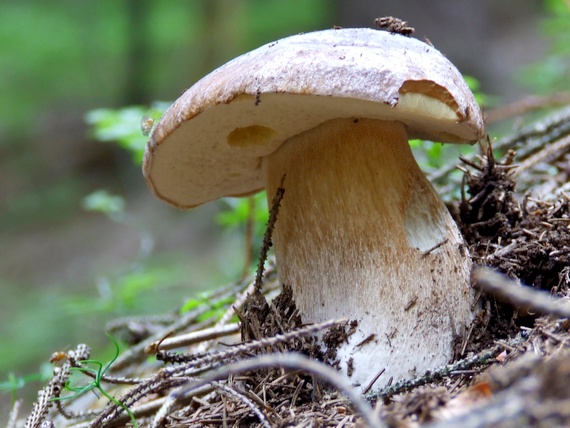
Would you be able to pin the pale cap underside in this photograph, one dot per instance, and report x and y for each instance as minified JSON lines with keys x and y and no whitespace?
{"x":211,"y":141}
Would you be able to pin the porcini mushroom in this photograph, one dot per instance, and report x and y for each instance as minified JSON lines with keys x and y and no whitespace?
{"x":361,"y":233}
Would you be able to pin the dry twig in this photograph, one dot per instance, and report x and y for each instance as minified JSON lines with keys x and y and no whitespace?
{"x":291,"y":361}
{"x":274,"y":210}
{"x":501,"y":286}
{"x":186,"y":322}
{"x":12,"y":419}
{"x":193,"y":338}
{"x":53,"y":389}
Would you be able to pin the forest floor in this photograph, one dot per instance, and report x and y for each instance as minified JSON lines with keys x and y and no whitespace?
{"x":511,"y":367}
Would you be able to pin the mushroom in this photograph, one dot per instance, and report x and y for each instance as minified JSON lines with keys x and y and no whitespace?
{"x":361,"y":233}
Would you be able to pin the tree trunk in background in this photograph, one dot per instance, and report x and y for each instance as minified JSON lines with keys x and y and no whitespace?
{"x":487,"y":39}
{"x":223,"y":35}
{"x":137,"y":59}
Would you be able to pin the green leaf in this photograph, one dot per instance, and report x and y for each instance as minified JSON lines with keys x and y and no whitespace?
{"x":103,"y":202}
{"x":123,"y":126}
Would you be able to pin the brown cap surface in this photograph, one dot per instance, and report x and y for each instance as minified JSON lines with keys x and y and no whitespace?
{"x":211,"y":141}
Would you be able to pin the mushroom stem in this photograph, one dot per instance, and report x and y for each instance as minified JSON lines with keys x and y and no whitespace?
{"x":362,"y":234}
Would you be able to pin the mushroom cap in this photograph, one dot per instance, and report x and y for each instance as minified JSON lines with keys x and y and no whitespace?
{"x":211,"y":141}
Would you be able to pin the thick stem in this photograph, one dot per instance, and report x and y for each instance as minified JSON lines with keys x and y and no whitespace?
{"x":362,"y":234}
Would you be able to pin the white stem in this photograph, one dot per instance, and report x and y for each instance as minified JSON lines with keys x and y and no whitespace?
{"x":352,"y":238}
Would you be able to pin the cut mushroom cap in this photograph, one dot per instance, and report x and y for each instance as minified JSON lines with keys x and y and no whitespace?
{"x":210,"y":142}
{"x":361,"y":233}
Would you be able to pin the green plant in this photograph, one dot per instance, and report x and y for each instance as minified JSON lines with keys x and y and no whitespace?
{"x":113,"y":206}
{"x":13,"y":383}
{"x":248,"y":214}
{"x":433,"y":155}
{"x":550,"y":74}
{"x":217,"y":307}
{"x":123,"y":126}
{"x":97,"y":374}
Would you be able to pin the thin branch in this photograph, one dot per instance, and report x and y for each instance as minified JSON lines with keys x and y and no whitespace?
{"x":532,"y":138}
{"x":548,"y":154}
{"x":195,"y":361}
{"x":509,"y":290}
{"x":166,"y":405}
{"x":137,"y":352}
{"x":56,"y":384}
{"x":238,"y":303}
{"x":13,"y":418}
{"x":535,"y":397}
{"x":275,"y":203}
{"x":170,"y":377}
{"x":194,"y":337}
{"x":235,"y":394}
{"x":291,"y":361}
{"x":113,"y":411}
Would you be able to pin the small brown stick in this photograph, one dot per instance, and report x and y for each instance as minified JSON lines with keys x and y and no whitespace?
{"x":238,"y":303}
{"x":365,"y":341}
{"x":137,"y":352}
{"x":242,"y":348}
{"x":471,"y":163}
{"x":524,"y":297}
{"x":435,"y":247}
{"x":373,"y":381}
{"x":411,"y":303}
{"x":275,"y":203}
{"x":296,"y":394}
{"x":194,"y":337}
{"x":466,"y":339}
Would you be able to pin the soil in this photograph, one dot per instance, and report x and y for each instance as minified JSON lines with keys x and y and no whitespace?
{"x":510,"y":369}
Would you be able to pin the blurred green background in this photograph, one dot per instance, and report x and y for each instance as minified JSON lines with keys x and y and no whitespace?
{"x":69,"y":264}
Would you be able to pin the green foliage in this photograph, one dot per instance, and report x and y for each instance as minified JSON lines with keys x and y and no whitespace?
{"x":103,"y":202}
{"x":237,"y":212}
{"x":123,"y":126}
{"x":433,"y":155}
{"x":482,"y":98}
{"x":48,"y":203}
{"x":551,"y":73}
{"x":13,"y":383}
{"x":307,"y":13}
{"x":217,"y":307}
{"x":120,"y":294}
{"x":97,"y":375}
{"x":78,"y":56}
